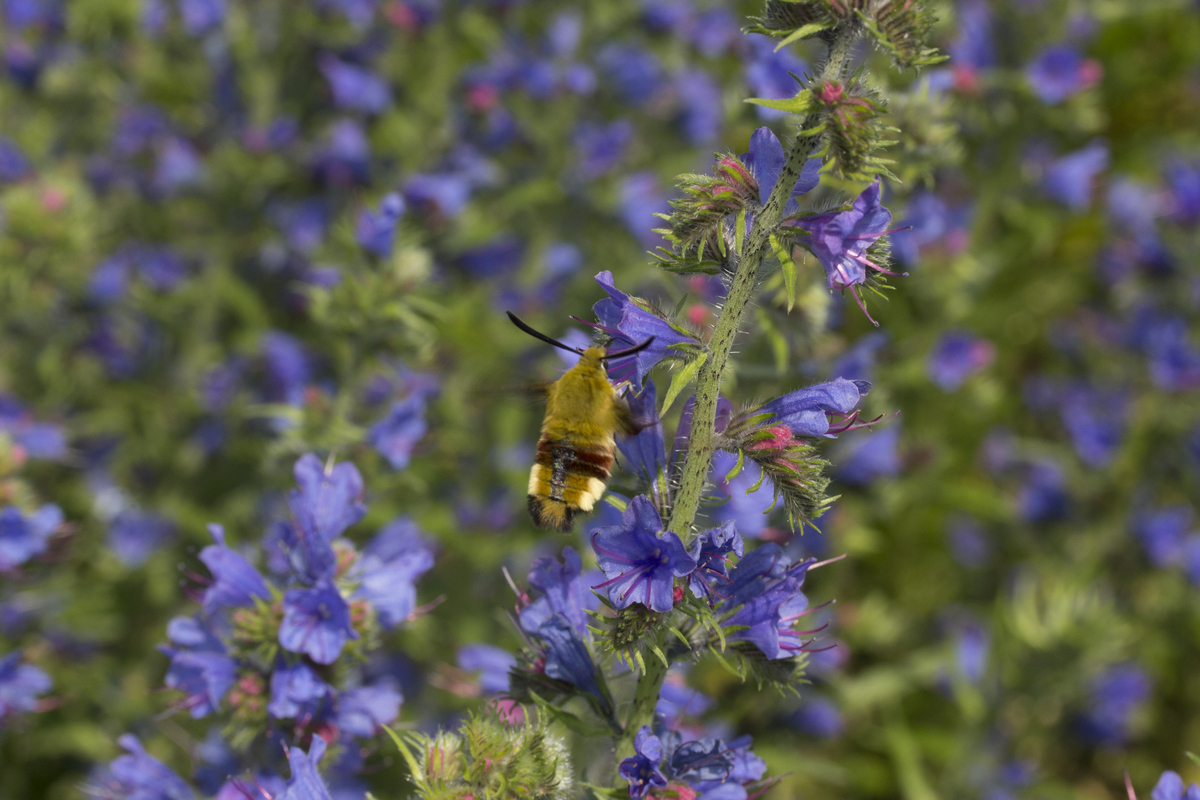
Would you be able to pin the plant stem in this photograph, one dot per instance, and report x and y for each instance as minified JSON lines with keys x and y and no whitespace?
{"x":645,"y":698}
{"x":741,"y":289}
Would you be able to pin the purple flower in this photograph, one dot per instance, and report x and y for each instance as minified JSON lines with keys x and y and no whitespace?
{"x":23,"y":537}
{"x":565,"y":592}
{"x":956,"y":356}
{"x":346,"y":158}
{"x":769,"y":73}
{"x":1096,"y":421}
{"x":395,"y":436}
{"x":492,"y":663}
{"x":316,"y":622}
{"x":288,"y":368}
{"x":137,"y":129}
{"x":201,"y":16}
{"x":858,"y":362}
{"x":447,"y":194}
{"x":971,"y":646}
{"x":178,"y":166}
{"x":640,"y":559}
{"x":677,"y":700}
{"x":973,"y":49}
{"x":749,"y":510}
{"x":363,"y":711}
{"x":806,"y":411}
{"x":645,"y":451}
{"x":303,"y":223}
{"x":764,"y":600}
{"x":818,"y":716}
{"x":355,"y":88}
{"x":633,"y":321}
{"x":1170,"y":787}
{"x":1166,"y":341}
{"x":968,"y":543}
{"x":1183,"y":180}
{"x":634,"y":73}
{"x":200,"y":666}
{"x":296,"y":691}
{"x":1042,"y":496}
{"x":235,"y":581}
{"x":328,"y":500}
{"x":765,"y":161}
{"x":305,"y":783}
{"x":840,"y":241}
{"x":743,"y":767}
{"x":701,"y":109}
{"x":140,"y":776}
{"x":376,"y":231}
{"x":1116,"y":694}
{"x":1061,"y":72}
{"x":568,"y":659}
{"x":134,"y":535}
{"x":716,"y":31}
{"x":711,"y":576}
{"x":641,"y":197}
{"x":1070,"y":178}
{"x":643,"y":770}
{"x":869,"y":456}
{"x":497,"y":259}
{"x":13,"y":164}
{"x":389,"y":567}
{"x":160,"y":268}
{"x":20,"y":685}
{"x":600,"y":148}
{"x":1163,"y":532}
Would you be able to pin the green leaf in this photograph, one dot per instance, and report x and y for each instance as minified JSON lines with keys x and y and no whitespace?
{"x":803,"y":32}
{"x":739,"y":231}
{"x":800,"y":104}
{"x":414,"y":766}
{"x":789,"y":267}
{"x":616,"y":502}
{"x":569,"y":721}
{"x":682,"y":377}
{"x":661,"y":655}
{"x":1195,"y":758}
{"x":737,"y":468}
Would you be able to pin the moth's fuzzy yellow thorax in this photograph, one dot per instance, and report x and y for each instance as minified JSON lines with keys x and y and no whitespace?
{"x":582,"y":405}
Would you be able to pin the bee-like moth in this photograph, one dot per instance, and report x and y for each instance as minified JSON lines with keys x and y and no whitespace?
{"x":574,"y":459}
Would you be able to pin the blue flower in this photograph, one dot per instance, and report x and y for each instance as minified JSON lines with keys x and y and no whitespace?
{"x":633,"y":321}
{"x":818,"y":716}
{"x":641,"y":197}
{"x":565,"y":592}
{"x":139,"y":775}
{"x":748,"y":510}
{"x":496,"y":259}
{"x":446,"y":194}
{"x":306,"y":783}
{"x":1096,"y":420}
{"x":1183,"y":181}
{"x":328,"y":501}
{"x":806,"y":411}
{"x":644,"y":770}
{"x":492,"y":663}
{"x":389,"y":567}
{"x":968,"y":542}
{"x":201,"y":16}
{"x":296,"y":691}
{"x":645,"y":451}
{"x":134,"y":535}
{"x":769,"y":73}
{"x":355,"y":88}
{"x":840,"y":241}
{"x":1115,"y":695}
{"x":302,"y":223}
{"x":1174,"y":363}
{"x":235,"y":580}
{"x":1060,"y":72}
{"x":677,"y":700}
{"x":395,"y":436}
{"x":1163,"y":533}
{"x":13,"y":164}
{"x":178,"y":166}
{"x":567,"y":657}
{"x":363,"y":711}
{"x":289,"y":370}
{"x":869,"y":456}
{"x":972,"y":48}
{"x":1170,"y":787}
{"x":316,"y":622}
{"x":956,"y":356}
{"x":702,"y":109}
{"x":1042,"y":496}
{"x":200,"y":666}
{"x":376,"y":231}
{"x":635,"y":73}
{"x":23,"y":537}
{"x":1071,"y":178}
{"x":711,"y":576}
{"x":971,"y":647}
{"x":20,"y":685}
{"x":346,"y":158}
{"x":765,"y":161}
{"x":765,"y":601}
{"x":600,"y":148}
{"x":640,"y":559}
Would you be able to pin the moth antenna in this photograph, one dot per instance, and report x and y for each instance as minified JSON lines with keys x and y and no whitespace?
{"x":535,"y":334}
{"x":628,"y":351}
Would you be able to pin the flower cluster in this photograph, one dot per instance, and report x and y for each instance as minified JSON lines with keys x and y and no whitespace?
{"x":666,"y":766}
{"x":279,"y":658}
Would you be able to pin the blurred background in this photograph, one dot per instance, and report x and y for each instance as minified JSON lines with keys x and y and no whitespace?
{"x":236,"y":231}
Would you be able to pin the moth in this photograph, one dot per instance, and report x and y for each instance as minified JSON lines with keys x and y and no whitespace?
{"x":574,"y":458}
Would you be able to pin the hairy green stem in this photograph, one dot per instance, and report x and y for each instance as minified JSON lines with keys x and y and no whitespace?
{"x":708,"y":384}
